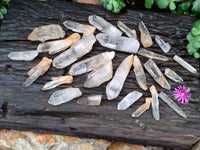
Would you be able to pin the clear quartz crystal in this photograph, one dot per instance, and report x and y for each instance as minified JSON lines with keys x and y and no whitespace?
{"x":54,"y":47}
{"x":126,"y":30}
{"x":185,"y":64}
{"x":152,"y":55}
{"x":64,"y":95}
{"x":114,"y":87}
{"x":155,"y":72}
{"x":163,"y":45}
{"x":128,"y":100}
{"x":155,"y":103}
{"x":123,"y":44}
{"x":90,"y":100}
{"x":91,"y":63}
{"x":104,"y":26}
{"x":23,"y":55}
{"x":172,"y":104}
{"x":172,"y":75}
{"x":146,"y":39}
{"x":77,"y":50}
{"x":139,"y":73}
{"x":47,"y":32}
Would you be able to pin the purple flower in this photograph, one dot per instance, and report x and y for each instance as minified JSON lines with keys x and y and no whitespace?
{"x":182,"y":94}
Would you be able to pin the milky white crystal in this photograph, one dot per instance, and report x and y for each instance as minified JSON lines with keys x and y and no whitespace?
{"x":130,"y":33}
{"x":155,"y":103}
{"x":23,"y":55}
{"x":172,"y":75}
{"x":163,"y":45}
{"x":90,"y":100}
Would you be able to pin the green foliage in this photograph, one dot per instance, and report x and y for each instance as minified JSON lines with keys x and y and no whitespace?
{"x":3,"y":9}
{"x":113,"y":5}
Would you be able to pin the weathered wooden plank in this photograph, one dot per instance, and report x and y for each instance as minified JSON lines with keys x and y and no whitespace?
{"x":28,"y":108}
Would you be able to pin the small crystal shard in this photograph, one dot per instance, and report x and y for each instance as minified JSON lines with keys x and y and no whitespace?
{"x":78,"y":27}
{"x":172,"y":104}
{"x":126,"y":30}
{"x":139,"y":73}
{"x":138,"y":112}
{"x":123,"y":44}
{"x":155,"y":103}
{"x":77,"y":50}
{"x":37,"y":71}
{"x":128,"y":100}
{"x":100,"y":75}
{"x":90,"y":100}
{"x":163,"y":45}
{"x":63,"y":96}
{"x":172,"y":75}
{"x":54,"y":47}
{"x":23,"y":55}
{"x":104,"y":26}
{"x":145,"y":35}
{"x":91,"y":63}
{"x":155,"y":72}
{"x":152,"y":55}
{"x":48,"y":32}
{"x":57,"y":81}
{"x":114,"y":87}
{"x":186,"y":65}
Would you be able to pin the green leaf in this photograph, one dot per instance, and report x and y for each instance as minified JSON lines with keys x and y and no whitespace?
{"x":163,"y":3}
{"x":197,"y":37}
{"x":109,"y":7}
{"x":1,"y":16}
{"x":116,"y":11}
{"x":196,"y":6}
{"x":195,"y":31}
{"x":172,"y":6}
{"x":192,"y":41}
{"x":101,"y":1}
{"x":3,"y":10}
{"x":115,"y":4}
{"x":196,"y":44}
{"x":185,"y":6}
{"x":5,"y":2}
{"x":191,"y":49}
{"x":196,"y":55}
{"x":179,"y":9}
{"x":196,"y":24}
{"x":177,"y":0}
{"x":148,"y":3}
{"x":190,"y":36}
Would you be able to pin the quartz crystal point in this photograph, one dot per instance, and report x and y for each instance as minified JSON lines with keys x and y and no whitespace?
{"x":152,"y":55}
{"x":91,"y":63}
{"x":77,"y":50}
{"x":100,"y":75}
{"x":163,"y":45}
{"x":114,"y":87}
{"x":128,"y":100}
{"x":185,"y":64}
{"x":126,"y":30}
{"x":123,"y":44}
{"x":145,"y":35}
{"x":155,"y":103}
{"x":23,"y":55}
{"x":48,"y":32}
{"x":56,"y":81}
{"x":63,"y":96}
{"x":138,"y":112}
{"x":104,"y":26}
{"x":139,"y":73}
{"x":37,"y":71}
{"x":155,"y":72}
{"x":90,"y":100}
{"x":172,"y":75}
{"x":172,"y":104}
{"x":54,"y":47}
{"x":78,"y":27}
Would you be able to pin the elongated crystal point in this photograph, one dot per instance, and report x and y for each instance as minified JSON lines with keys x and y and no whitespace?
{"x":114,"y":87}
{"x":99,"y":75}
{"x":172,"y":75}
{"x":57,"y":81}
{"x":185,"y":64}
{"x":128,"y":100}
{"x":155,"y":103}
{"x":104,"y":26}
{"x":155,"y":72}
{"x":91,"y":63}
{"x":163,"y":45}
{"x":126,"y":30}
{"x":139,"y":73}
{"x":138,"y":112}
{"x":37,"y":71}
{"x":54,"y":47}
{"x":152,"y":55}
{"x":23,"y":55}
{"x":124,"y":44}
{"x":90,"y":100}
{"x":77,"y":50}
{"x":78,"y":27}
{"x":63,"y":96}
{"x":172,"y":104}
{"x":47,"y":32}
{"x":146,"y":39}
